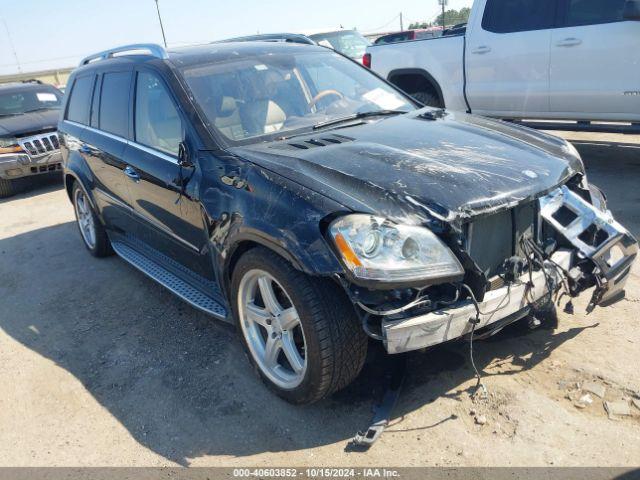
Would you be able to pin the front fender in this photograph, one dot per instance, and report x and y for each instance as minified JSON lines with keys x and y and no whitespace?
{"x":263,"y":208}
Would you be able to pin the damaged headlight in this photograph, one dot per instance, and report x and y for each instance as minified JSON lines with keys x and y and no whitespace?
{"x":375,"y":249}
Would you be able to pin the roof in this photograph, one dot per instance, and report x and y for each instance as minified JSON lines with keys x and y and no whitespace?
{"x":194,"y":55}
{"x":17,"y":86}
{"x":220,"y":52}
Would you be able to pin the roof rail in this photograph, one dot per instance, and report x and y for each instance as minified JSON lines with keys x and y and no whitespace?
{"x":153,"y":49}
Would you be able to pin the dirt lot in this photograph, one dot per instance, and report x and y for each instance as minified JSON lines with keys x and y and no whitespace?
{"x":100,"y":366}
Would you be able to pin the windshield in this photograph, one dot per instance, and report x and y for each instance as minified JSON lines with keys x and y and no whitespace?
{"x":349,"y":42}
{"x":19,"y":101}
{"x":264,"y":97}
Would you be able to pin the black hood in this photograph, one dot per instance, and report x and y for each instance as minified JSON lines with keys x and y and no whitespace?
{"x":29,"y":123}
{"x":407,"y":166}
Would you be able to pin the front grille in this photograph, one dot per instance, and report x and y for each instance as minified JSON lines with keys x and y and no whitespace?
{"x":37,"y":145}
{"x":494,"y":238}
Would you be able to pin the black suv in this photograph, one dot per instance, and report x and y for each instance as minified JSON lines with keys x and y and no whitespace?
{"x":29,"y":114}
{"x":289,"y":190}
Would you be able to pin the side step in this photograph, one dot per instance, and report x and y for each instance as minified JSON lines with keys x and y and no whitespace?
{"x":170,"y":281}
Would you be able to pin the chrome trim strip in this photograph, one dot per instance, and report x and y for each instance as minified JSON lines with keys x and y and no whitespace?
{"x":147,"y":219}
{"x":131,"y":143}
{"x":152,"y":151}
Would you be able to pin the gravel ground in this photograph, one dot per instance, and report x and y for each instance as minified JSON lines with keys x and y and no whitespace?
{"x":99,"y":366}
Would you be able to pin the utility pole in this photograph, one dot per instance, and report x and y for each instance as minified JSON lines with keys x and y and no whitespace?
{"x":401,"y":25}
{"x":164,"y":39}
{"x":13,"y":48}
{"x":444,"y":4}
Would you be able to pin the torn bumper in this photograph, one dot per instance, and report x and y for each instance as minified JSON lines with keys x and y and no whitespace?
{"x":507,"y":303}
{"x":597,"y":237}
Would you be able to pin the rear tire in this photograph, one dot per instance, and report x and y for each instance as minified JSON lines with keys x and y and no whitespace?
{"x":332,"y":344}
{"x":6,"y":188}
{"x":428,"y":99}
{"x":97,"y":241}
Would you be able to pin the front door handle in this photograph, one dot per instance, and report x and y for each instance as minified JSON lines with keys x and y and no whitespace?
{"x":569,"y":42}
{"x":481,"y":50}
{"x":130,"y":172}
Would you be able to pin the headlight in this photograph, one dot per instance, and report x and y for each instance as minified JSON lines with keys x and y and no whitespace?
{"x":373,"y":248}
{"x":9,"y":145}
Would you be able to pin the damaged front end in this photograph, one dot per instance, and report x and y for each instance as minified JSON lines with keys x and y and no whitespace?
{"x":516,"y":262}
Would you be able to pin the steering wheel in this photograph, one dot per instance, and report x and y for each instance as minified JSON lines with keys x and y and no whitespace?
{"x":323,"y":94}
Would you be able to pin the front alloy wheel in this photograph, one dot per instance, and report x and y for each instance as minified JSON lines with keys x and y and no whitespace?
{"x":301,"y":332}
{"x":272,"y":329}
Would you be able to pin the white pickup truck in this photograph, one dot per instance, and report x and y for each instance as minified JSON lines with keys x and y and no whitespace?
{"x":527,"y":59}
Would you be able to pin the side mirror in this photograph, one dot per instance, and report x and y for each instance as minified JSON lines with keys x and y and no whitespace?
{"x":183,"y":156}
{"x":631,"y":10}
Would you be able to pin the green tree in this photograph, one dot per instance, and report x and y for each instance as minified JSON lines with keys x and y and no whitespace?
{"x":453,"y":17}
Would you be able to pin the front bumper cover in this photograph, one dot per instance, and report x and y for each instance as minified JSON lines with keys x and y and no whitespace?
{"x":19,"y":165}
{"x":602,"y":254}
{"x":509,"y":302}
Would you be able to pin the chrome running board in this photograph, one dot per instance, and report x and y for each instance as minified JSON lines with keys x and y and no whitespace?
{"x":170,"y":281}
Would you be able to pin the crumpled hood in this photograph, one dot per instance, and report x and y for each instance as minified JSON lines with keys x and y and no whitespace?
{"x":407,"y":166}
{"x":27,"y":123}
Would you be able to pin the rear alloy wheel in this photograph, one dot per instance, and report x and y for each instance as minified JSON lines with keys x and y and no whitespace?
{"x":6,"y":188}
{"x":300,"y":332}
{"x":92,"y":232}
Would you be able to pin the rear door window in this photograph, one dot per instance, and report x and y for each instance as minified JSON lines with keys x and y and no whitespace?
{"x":157,"y":121}
{"x":593,"y":12}
{"x":510,"y":16}
{"x":114,"y":103}
{"x":80,"y":100}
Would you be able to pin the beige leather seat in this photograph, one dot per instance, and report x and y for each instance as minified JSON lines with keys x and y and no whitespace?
{"x":228,"y":119}
{"x":260,"y":114}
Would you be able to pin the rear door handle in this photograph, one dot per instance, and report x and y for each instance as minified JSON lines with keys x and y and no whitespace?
{"x":481,"y":50}
{"x":130,"y":172}
{"x":569,"y":42}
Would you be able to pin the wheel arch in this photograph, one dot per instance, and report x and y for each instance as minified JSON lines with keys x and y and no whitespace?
{"x":408,"y":79}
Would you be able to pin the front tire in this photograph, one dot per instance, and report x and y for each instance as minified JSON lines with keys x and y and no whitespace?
{"x":300,"y":332}
{"x":94,"y":235}
{"x":7,"y":188}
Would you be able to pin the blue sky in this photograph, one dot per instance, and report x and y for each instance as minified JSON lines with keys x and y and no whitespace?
{"x":49,"y":34}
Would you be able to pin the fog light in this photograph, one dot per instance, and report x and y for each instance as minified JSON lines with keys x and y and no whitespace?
{"x":14,"y":172}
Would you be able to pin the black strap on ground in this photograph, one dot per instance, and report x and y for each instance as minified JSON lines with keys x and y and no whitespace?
{"x":383,"y":411}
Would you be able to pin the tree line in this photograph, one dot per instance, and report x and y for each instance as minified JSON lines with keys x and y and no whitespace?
{"x":452,"y":17}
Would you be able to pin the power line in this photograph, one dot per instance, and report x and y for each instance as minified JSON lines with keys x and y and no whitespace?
{"x":13,"y":48}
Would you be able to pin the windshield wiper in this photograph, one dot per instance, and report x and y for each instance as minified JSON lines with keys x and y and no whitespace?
{"x":357,"y":116}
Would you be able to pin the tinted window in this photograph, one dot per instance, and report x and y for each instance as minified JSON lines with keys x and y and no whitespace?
{"x":508,"y":16}
{"x":591,"y":12}
{"x":158,"y":123}
{"x":114,"y":103}
{"x":80,"y":100}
